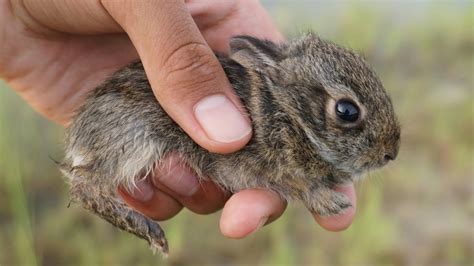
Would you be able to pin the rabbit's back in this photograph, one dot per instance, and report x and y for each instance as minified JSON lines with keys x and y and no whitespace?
{"x":121,"y":129}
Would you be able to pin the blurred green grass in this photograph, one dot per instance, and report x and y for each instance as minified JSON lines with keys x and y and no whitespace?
{"x":417,"y":211}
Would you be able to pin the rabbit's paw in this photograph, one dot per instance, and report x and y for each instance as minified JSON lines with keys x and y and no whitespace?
{"x":327,"y":202}
{"x":113,"y":210}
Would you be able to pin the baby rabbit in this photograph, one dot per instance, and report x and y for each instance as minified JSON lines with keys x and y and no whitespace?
{"x":320,"y":118}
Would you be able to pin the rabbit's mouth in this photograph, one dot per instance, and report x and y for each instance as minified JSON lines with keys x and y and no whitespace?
{"x":356,"y":177}
{"x":373,"y":165}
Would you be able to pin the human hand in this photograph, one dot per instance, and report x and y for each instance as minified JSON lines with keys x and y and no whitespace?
{"x":54,"y":52}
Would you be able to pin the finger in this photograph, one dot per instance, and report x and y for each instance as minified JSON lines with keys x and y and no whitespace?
{"x":208,"y":198}
{"x":51,"y":16}
{"x":184,"y":73}
{"x":151,"y":202}
{"x":234,"y":18}
{"x":181,"y":183}
{"x":177,"y":181}
{"x":248,"y":210}
{"x":342,"y":221}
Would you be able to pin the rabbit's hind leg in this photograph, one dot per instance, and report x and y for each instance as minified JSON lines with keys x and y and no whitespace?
{"x":112,"y":209}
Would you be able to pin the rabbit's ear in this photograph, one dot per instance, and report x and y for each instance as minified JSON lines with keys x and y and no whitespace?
{"x":251,"y":51}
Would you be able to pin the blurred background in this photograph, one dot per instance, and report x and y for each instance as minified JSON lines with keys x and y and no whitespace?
{"x":417,"y":211}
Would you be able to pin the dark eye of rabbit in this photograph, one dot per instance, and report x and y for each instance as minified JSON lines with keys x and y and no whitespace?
{"x":347,"y":111}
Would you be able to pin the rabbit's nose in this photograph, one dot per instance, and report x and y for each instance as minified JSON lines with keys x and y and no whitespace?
{"x":389,"y":157}
{"x":390,"y":150}
{"x":390,"y":153}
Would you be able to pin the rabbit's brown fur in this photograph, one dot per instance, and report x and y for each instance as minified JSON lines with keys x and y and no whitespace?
{"x":300,"y":148}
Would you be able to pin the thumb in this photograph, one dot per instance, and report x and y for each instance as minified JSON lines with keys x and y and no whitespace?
{"x":184,"y":73}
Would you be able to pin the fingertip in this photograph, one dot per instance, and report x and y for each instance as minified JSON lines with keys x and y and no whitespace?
{"x":221,"y":120}
{"x":248,"y":210}
{"x":341,"y":221}
{"x":336,"y":223}
{"x":208,"y":199}
{"x":159,"y":207}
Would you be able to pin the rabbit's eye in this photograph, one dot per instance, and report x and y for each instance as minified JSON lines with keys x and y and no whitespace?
{"x":347,"y":111}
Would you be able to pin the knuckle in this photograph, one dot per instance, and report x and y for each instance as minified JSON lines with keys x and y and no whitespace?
{"x":190,"y":66}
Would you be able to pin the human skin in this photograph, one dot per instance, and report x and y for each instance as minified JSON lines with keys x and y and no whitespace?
{"x":53,"y":52}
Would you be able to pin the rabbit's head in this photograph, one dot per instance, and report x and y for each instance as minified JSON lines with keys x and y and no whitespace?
{"x":339,"y":104}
